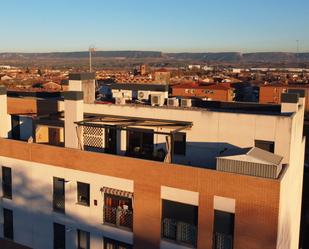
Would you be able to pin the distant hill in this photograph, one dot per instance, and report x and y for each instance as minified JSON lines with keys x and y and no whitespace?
{"x":229,"y":57}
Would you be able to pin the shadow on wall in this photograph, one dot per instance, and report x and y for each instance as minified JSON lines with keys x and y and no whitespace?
{"x":33,"y":215}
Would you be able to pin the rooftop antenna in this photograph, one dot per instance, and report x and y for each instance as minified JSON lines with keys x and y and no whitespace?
{"x":91,"y":50}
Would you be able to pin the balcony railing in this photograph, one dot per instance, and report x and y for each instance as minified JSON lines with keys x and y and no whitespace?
{"x":7,"y":190}
{"x":222,"y":241}
{"x":118,"y":216}
{"x":179,"y":231}
{"x":59,"y":203}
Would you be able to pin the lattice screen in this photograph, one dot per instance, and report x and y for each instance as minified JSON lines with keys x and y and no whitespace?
{"x":93,"y":137}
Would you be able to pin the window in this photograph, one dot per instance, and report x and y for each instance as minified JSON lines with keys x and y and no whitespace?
{"x":114,"y":244}
{"x":179,"y":222}
{"x":140,"y":143}
{"x":58,"y":195}
{"x":83,"y":240}
{"x":59,"y":236}
{"x":83,"y":193}
{"x":265,"y":145}
{"x":118,"y":211}
{"x":15,"y":123}
{"x":8,"y":231}
{"x":7,"y":182}
{"x":223,"y":230}
{"x":179,"y":143}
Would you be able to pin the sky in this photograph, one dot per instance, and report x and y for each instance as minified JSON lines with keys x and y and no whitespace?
{"x":157,"y":25}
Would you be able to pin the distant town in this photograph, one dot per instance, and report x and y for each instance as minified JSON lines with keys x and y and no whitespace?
{"x":154,"y":153}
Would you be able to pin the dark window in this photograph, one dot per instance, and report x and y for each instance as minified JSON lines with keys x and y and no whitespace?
{"x":118,"y":211}
{"x":59,"y":236}
{"x":83,"y":240}
{"x":110,"y":141}
{"x":140,"y":143}
{"x":114,"y":244}
{"x":58,"y":195}
{"x":15,"y":127}
{"x":179,"y":222}
{"x":8,"y":231}
{"x":265,"y":145}
{"x":179,"y":143}
{"x":7,"y":182}
{"x":223,"y":230}
{"x":83,"y":193}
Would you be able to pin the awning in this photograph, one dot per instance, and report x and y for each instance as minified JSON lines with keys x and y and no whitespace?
{"x":117,"y":192}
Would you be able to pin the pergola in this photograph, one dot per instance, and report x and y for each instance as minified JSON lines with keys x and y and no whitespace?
{"x":125,"y":123}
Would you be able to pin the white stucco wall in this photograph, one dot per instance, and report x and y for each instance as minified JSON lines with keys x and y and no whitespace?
{"x":32,"y":185}
{"x":212,"y":131}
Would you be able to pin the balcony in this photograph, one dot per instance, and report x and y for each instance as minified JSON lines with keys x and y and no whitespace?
{"x":59,"y":203}
{"x":119,"y":217}
{"x":180,"y":232}
{"x":222,"y":241}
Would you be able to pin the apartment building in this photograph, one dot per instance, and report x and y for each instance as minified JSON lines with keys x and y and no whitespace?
{"x":214,"y":92}
{"x":137,"y":176}
{"x":272,"y":93}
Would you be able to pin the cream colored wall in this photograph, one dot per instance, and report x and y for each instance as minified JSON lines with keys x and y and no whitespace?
{"x":291,"y":188}
{"x":32,"y":205}
{"x":73,"y":113}
{"x":75,"y":85}
{"x":212,"y":131}
{"x":4,"y":117}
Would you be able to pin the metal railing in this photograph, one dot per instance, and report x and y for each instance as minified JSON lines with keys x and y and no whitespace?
{"x":7,"y":190}
{"x":118,"y":216}
{"x":179,"y":231}
{"x":222,"y":241}
{"x":58,"y":203}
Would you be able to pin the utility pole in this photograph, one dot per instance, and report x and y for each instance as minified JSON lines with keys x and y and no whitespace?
{"x":297,"y":52}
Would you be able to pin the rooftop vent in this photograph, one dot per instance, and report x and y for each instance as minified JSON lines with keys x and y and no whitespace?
{"x":252,"y":161}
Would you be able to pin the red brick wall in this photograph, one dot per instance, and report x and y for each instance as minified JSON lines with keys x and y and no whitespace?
{"x":257,"y":199}
{"x":217,"y":95}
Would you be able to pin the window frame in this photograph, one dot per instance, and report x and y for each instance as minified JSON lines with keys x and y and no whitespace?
{"x":116,"y":244}
{"x":58,"y":195}
{"x":78,"y":188}
{"x":55,"y":226}
{"x":270,"y":144}
{"x":7,"y":183}
{"x":180,"y":146}
{"x":8,"y":217}
{"x":79,"y":231}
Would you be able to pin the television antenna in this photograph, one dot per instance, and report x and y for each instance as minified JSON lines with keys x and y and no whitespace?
{"x":91,"y":50}
{"x":297,"y":52}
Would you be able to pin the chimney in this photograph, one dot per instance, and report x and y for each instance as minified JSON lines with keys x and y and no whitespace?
{"x":289,"y":102}
{"x":84,"y":82}
{"x":73,"y":112}
{"x":5,"y":125}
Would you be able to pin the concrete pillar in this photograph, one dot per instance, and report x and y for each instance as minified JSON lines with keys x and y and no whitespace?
{"x":84,"y":82}
{"x":5,"y":124}
{"x":289,"y":102}
{"x":73,"y":112}
{"x":121,"y":142}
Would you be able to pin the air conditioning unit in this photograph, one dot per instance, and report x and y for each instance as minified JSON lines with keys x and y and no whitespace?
{"x":116,"y":93}
{"x":120,"y":101}
{"x":172,"y":102}
{"x":186,"y":102}
{"x":157,"y":99}
{"x":127,"y":94}
{"x":143,"y":95}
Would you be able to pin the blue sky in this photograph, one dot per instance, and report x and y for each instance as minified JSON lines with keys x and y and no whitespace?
{"x":165,"y":25}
